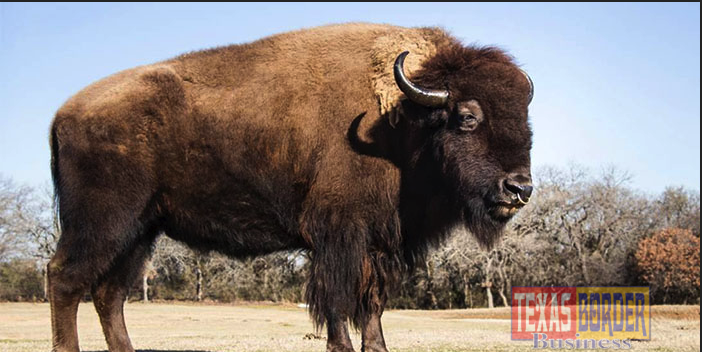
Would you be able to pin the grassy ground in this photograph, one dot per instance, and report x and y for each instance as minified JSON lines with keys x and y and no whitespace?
{"x":164,"y":327}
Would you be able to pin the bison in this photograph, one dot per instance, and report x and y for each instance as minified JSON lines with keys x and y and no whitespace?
{"x":332,"y":140}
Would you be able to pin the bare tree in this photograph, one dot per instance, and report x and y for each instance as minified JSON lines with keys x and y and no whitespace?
{"x":14,"y":201}
{"x":679,"y":208}
{"x":28,"y":225}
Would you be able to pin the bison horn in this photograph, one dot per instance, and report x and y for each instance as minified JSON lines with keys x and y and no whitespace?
{"x":427,"y":97}
{"x":531,"y":86}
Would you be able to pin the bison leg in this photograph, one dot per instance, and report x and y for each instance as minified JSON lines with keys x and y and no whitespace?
{"x":373,"y":340}
{"x":64,"y":297}
{"x":372,"y":330}
{"x":338,"y":339}
{"x":74,"y":268}
{"x":71,"y":272}
{"x":110,"y":292}
{"x":326,"y":307}
{"x":106,"y":199}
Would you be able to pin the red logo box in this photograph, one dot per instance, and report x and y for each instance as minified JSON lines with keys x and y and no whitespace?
{"x":550,"y":310}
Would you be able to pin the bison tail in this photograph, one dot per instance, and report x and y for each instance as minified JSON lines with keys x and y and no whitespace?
{"x":55,"y":174}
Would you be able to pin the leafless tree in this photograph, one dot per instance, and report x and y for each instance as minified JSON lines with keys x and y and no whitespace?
{"x":28,"y":225}
{"x":14,"y":203}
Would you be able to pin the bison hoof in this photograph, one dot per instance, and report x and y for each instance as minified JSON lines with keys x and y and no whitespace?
{"x":339,"y":349}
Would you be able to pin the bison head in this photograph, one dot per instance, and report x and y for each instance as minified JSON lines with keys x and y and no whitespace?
{"x":468,"y":132}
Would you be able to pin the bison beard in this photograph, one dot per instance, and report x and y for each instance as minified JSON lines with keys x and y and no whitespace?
{"x":482,"y":225}
{"x":298,"y":141}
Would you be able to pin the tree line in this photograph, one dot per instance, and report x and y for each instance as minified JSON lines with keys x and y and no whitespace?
{"x":580,"y":229}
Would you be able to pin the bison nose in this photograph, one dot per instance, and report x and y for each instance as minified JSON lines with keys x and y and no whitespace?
{"x":521,"y":189}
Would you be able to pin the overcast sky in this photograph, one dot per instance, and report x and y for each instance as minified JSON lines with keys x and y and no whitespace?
{"x":615,"y":84}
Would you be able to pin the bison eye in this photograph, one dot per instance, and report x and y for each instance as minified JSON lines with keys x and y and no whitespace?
{"x":467,"y":122}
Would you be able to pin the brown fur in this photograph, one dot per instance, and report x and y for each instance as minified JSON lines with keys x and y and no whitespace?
{"x":280,"y":144}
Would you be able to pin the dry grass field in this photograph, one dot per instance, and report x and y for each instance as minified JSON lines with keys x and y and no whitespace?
{"x":162,"y":327}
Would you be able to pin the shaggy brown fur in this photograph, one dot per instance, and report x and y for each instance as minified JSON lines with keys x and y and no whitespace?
{"x":285,"y":143}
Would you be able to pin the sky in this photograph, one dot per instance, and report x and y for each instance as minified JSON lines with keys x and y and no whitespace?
{"x":615,"y":84}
